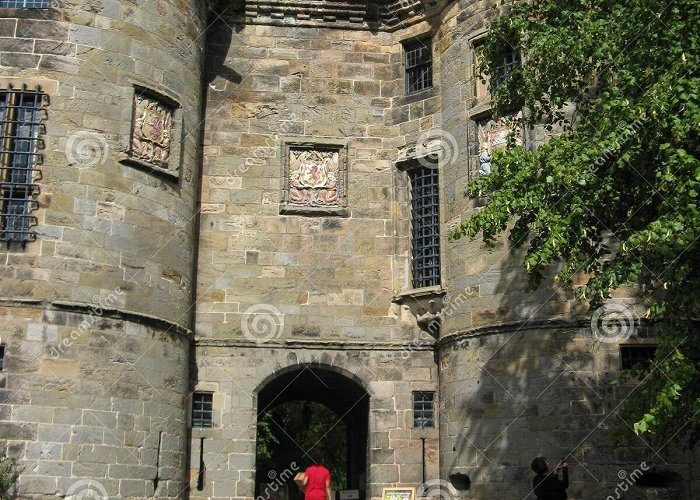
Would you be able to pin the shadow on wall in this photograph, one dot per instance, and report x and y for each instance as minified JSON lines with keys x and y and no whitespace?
{"x":219,"y":38}
{"x":542,"y":389}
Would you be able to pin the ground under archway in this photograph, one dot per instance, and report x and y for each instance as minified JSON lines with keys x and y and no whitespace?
{"x":308,"y":414}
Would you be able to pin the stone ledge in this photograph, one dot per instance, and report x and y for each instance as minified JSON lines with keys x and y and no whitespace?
{"x":314,"y":211}
{"x":168,"y":175}
{"x":419,"y":293}
{"x":511,"y":327}
{"x":110,"y":313}
{"x":336,"y":345}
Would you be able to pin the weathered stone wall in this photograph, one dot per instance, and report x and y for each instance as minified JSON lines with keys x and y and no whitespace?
{"x":103,"y":223}
{"x":528,"y":392}
{"x":521,"y":372}
{"x":278,"y":289}
{"x":93,"y":399}
{"x":236,"y":374}
{"x":97,"y":310}
{"x":330,"y":277}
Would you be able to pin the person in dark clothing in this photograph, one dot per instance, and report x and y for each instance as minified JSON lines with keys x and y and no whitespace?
{"x":546,"y":484}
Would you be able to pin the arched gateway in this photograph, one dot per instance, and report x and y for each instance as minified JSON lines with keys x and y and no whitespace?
{"x":311,"y":413}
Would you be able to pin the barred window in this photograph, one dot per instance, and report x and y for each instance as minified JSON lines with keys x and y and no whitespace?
{"x":24,"y":4}
{"x":510,"y":61}
{"x":425,"y":226}
{"x":202,"y":409}
{"x":419,"y":65}
{"x":636,"y":356}
{"x":423,"y":409}
{"x":21,"y":125}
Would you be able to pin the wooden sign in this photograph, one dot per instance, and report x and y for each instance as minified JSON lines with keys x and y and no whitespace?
{"x":398,"y":493}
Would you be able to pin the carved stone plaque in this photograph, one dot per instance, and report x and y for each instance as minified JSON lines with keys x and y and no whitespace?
{"x":493,"y":135}
{"x":313,"y":178}
{"x":152,"y":131}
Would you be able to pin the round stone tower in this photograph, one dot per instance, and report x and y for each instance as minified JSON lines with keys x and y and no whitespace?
{"x":101,"y":108}
{"x":522,"y":373}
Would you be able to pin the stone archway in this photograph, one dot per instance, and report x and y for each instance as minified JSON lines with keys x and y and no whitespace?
{"x":348,"y":405}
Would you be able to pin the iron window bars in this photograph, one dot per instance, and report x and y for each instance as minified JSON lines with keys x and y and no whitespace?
{"x":423,"y":409}
{"x":24,"y":4}
{"x":21,"y":125}
{"x":511,"y":60}
{"x":633,"y":355}
{"x":425,"y":227}
{"x":419,"y":65}
{"x":202,"y":409}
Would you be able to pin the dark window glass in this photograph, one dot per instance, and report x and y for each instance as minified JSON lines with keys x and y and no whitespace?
{"x":202,"y":409}
{"x":419,"y":65}
{"x":425,"y":227}
{"x":24,"y":4}
{"x":2,"y":357}
{"x":632,"y":355}
{"x":511,"y":60}
{"x":20,"y":123}
{"x":423,"y":409}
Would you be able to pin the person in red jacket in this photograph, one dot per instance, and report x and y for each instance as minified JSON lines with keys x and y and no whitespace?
{"x":317,"y":483}
{"x":546,"y":485}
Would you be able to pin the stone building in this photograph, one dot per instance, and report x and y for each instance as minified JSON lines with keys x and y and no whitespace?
{"x":212,"y":209}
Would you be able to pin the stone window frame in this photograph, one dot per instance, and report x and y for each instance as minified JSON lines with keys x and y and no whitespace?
{"x":429,"y":411}
{"x":339,"y":145}
{"x":20,"y":182}
{"x":210,"y":422}
{"x":481,"y":108}
{"x":178,"y":133}
{"x":409,"y":46}
{"x":481,"y":103}
{"x":435,"y":292}
{"x":481,"y":100}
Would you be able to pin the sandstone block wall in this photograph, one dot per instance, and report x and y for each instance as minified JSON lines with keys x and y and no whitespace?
{"x":330,"y":277}
{"x":541,"y":392}
{"x":236,"y":375}
{"x":101,"y":403}
{"x":103,"y":224}
{"x":97,"y":311}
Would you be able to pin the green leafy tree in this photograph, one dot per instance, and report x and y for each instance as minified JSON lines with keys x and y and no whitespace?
{"x":614,"y":193}
{"x":303,"y":432}
{"x":9,"y":474}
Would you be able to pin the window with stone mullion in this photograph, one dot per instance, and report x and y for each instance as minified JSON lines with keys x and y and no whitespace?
{"x":419,"y":65}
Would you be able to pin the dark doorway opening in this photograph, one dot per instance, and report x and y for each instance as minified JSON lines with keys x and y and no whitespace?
{"x":306,"y":415}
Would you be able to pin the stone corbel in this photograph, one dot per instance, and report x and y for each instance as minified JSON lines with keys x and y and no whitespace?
{"x":426,"y":305}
